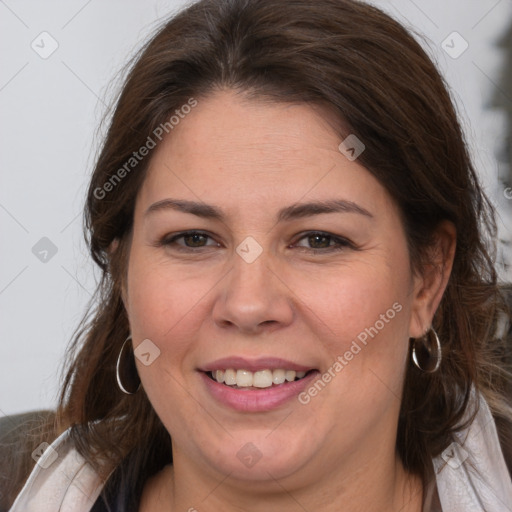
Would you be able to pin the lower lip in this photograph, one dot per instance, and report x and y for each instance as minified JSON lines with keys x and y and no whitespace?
{"x":258,"y":400}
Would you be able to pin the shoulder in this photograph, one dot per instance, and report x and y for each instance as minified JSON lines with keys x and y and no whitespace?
{"x":20,"y":436}
{"x":60,"y":480}
{"x":471,"y":473}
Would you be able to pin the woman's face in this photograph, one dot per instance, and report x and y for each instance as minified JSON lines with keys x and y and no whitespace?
{"x":270,"y":283}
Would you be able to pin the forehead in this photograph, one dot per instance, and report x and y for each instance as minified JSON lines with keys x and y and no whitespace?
{"x":248,"y":151}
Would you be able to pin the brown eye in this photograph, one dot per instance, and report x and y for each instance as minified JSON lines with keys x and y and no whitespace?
{"x":321,"y":242}
{"x":192,"y":240}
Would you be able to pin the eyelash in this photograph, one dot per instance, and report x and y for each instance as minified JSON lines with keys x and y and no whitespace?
{"x":343,"y":243}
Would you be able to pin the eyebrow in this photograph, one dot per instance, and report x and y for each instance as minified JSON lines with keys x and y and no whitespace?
{"x":288,"y":213}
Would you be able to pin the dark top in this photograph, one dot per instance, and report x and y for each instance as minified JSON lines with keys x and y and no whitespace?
{"x":117,"y":495}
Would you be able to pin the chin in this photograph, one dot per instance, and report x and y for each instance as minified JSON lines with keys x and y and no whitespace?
{"x":262,"y":458}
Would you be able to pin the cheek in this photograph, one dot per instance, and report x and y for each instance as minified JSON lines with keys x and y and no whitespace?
{"x":161,"y":298}
{"x":362,"y":319}
{"x":352,"y":300}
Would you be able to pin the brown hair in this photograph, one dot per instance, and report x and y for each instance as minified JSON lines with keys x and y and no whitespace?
{"x":375,"y":76}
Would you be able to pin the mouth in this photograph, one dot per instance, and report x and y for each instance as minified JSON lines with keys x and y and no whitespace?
{"x":261,"y":390}
{"x":256,"y":384}
{"x":251,"y":381}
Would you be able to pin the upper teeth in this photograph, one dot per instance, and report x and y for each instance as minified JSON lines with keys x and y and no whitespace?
{"x":260,"y":379}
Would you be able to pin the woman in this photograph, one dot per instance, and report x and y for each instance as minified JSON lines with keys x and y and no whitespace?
{"x":298,"y":305}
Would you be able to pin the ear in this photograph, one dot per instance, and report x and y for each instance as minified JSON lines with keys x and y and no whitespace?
{"x":113,"y":247}
{"x":431,"y":280}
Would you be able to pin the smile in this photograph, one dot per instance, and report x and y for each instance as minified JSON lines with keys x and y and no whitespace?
{"x":245,"y":379}
{"x":250,"y":398}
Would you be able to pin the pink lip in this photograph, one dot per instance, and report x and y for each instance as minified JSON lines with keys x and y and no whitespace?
{"x":253,"y":365}
{"x":260,"y":400}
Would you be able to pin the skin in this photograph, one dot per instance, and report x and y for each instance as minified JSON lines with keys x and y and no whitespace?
{"x":250,"y":158}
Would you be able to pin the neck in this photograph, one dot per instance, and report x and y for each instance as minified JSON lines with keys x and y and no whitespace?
{"x":372,"y":486}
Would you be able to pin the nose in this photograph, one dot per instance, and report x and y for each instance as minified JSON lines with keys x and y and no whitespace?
{"x":253,"y":297}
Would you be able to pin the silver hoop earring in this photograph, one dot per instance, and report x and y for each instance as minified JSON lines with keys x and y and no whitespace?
{"x":127,"y":371}
{"x":426,"y":353}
